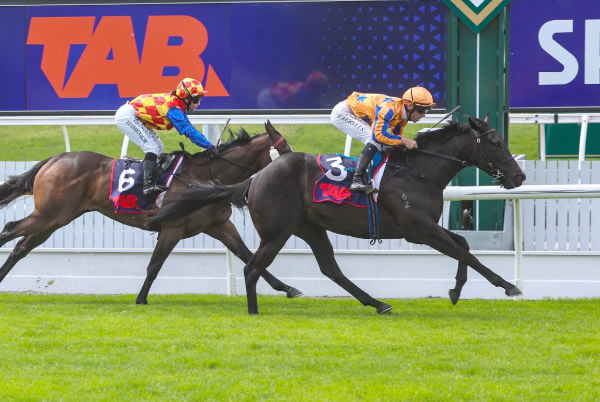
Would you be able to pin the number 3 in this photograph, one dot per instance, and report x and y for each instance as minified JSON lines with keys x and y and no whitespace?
{"x":337,"y":171}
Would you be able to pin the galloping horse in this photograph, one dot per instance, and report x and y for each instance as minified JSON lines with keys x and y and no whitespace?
{"x":280,"y":201}
{"x":69,"y":184}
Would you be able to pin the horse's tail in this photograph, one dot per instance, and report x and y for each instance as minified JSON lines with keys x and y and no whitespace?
{"x":17,"y":186}
{"x":198,"y":196}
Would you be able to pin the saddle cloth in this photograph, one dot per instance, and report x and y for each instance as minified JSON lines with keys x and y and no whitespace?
{"x":337,"y":176}
{"x":126,"y":181}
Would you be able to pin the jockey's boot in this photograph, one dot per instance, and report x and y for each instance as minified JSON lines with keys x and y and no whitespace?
{"x":359,"y":183}
{"x":150,"y":188}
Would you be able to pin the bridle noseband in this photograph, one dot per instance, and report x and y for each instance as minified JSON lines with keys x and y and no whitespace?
{"x":491,"y":169}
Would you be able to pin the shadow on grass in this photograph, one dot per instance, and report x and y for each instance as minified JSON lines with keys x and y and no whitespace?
{"x":279,"y":306}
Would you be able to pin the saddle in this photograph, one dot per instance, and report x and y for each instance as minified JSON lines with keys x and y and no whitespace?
{"x":333,"y":186}
{"x":337,"y":177}
{"x":127,"y":177}
{"x":163,"y":164}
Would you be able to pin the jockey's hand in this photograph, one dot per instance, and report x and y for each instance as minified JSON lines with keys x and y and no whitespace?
{"x":213,"y":151}
{"x":409,"y":143}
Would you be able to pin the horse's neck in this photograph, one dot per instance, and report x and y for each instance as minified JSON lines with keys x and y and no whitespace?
{"x":433,"y":168}
{"x":234,"y":165}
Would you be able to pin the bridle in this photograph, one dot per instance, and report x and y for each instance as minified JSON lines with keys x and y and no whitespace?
{"x":273,"y":154}
{"x":491,"y":168}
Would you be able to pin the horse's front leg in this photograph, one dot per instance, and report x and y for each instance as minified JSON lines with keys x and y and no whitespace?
{"x":318,"y":241}
{"x":461,"y":272}
{"x":167,"y":240}
{"x":438,"y":238}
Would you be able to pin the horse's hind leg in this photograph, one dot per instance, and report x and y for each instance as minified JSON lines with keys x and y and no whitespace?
{"x":8,"y":233}
{"x":34,"y":231}
{"x":318,"y":241}
{"x":23,"y":247}
{"x":228,"y":234}
{"x":264,"y":256}
{"x":461,"y":272}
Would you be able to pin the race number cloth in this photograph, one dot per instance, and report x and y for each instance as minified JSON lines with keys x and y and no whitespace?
{"x":337,"y":176}
{"x":126,"y":181}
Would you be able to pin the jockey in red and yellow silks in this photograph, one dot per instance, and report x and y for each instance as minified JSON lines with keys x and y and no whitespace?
{"x":139,"y":118}
{"x":152,"y":109}
{"x":378,"y":120}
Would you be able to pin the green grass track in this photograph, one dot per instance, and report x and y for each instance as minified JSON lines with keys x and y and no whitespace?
{"x":205,"y":347}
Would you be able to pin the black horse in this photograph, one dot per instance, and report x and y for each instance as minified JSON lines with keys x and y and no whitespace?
{"x":70,"y":184}
{"x":280,"y":201}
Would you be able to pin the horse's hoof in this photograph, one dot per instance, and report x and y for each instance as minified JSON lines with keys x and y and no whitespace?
{"x":383,"y":308}
{"x":293,"y":293}
{"x":454,"y":296}
{"x":513,"y":291}
{"x":141,"y":301}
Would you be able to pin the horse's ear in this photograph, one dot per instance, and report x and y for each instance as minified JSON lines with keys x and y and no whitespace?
{"x":487,"y":117}
{"x":472,"y":122}
{"x":270,"y":129}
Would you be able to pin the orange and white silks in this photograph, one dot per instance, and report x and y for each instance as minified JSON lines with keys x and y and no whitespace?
{"x":384,"y":114}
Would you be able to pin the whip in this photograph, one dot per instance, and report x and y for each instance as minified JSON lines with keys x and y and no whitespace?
{"x":456,"y":109}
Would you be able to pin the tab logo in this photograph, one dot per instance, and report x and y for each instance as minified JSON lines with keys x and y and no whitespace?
{"x":110,"y":54}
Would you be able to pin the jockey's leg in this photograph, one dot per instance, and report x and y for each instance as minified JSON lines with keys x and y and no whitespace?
{"x":150,"y":188}
{"x":359,"y":182}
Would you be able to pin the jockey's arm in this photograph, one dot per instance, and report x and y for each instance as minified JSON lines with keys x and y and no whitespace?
{"x":183,"y":125}
{"x":385,"y":127}
{"x":382,"y":128}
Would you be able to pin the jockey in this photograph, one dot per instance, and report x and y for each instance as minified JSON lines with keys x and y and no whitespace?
{"x":139,"y":118}
{"x":378,"y":122}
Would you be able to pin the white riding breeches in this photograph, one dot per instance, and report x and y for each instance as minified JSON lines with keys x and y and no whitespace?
{"x":343,"y":118}
{"x":144,"y":137}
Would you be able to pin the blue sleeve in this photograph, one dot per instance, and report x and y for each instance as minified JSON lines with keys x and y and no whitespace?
{"x":182,"y":124}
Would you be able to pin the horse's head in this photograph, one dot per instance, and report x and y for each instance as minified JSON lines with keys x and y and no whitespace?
{"x":243,"y":155}
{"x":492,"y":155}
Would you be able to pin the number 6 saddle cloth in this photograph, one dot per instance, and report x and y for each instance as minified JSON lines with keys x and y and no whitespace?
{"x":337,"y":175}
{"x":127,"y":177}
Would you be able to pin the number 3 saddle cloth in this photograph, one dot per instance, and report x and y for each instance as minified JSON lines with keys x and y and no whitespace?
{"x":337,"y":175}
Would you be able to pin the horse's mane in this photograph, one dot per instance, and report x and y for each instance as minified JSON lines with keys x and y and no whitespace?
{"x":451,"y":129}
{"x":241,"y":137}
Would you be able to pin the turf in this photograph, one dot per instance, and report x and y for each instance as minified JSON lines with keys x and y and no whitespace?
{"x":205,"y":347}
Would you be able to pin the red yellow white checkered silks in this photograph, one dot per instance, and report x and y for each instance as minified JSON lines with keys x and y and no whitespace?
{"x":152,"y":109}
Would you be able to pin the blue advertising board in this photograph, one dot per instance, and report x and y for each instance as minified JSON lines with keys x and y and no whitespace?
{"x":555,"y":54}
{"x":249,"y":56}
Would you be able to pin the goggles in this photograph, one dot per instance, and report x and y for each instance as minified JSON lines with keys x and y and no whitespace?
{"x":422,"y":109}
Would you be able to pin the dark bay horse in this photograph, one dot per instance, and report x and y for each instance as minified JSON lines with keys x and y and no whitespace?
{"x":280,"y":201}
{"x":67,"y":185}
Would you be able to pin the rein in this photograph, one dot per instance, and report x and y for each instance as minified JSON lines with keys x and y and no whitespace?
{"x":491,"y":169}
{"x":273,"y":153}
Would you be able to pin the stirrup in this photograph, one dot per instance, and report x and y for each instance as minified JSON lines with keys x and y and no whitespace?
{"x":361,"y":188}
{"x":153,"y":190}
